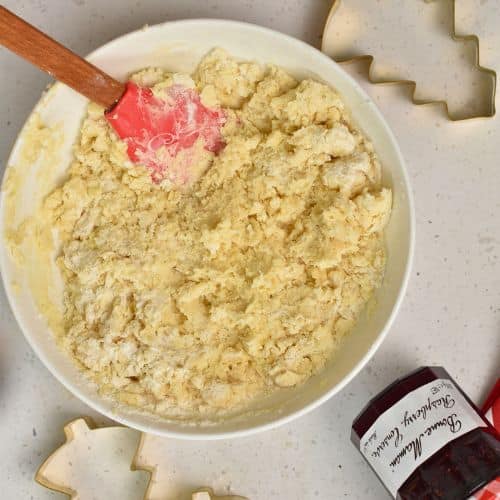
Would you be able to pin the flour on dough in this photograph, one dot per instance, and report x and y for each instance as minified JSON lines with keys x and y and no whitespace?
{"x":194,"y":302}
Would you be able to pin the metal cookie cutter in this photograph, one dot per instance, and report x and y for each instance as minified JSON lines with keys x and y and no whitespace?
{"x":155,"y":467}
{"x":73,"y":468}
{"x":412,"y":83}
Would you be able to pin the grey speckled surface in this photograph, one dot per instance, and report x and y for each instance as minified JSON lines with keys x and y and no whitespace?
{"x":451,"y":315}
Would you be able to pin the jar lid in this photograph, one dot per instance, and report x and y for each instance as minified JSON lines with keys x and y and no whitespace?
{"x":391,"y":395}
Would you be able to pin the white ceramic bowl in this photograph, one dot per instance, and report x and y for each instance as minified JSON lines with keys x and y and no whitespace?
{"x":179,"y":46}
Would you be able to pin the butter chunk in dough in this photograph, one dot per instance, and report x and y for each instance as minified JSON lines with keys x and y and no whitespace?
{"x":190,"y":303}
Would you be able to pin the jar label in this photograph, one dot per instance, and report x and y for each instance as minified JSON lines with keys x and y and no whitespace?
{"x":415,"y":428}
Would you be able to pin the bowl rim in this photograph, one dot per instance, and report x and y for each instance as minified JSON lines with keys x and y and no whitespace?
{"x":185,"y":434}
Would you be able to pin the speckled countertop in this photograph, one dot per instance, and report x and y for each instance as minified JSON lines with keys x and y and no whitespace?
{"x":450,"y":317}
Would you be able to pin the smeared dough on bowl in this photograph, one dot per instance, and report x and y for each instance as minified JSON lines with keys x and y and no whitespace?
{"x":190,"y":301}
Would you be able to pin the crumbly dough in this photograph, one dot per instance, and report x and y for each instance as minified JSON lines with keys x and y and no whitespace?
{"x":193,"y":302}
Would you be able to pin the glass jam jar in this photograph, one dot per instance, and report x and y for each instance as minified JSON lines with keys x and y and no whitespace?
{"x":426,"y":440}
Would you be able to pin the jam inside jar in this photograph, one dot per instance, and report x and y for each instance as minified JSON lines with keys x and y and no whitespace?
{"x":431,"y":443}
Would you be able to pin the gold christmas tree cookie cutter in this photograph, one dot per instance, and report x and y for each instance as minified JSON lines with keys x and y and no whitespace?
{"x":43,"y":477}
{"x":204,"y":493}
{"x":57,"y":470}
{"x":412,"y":83}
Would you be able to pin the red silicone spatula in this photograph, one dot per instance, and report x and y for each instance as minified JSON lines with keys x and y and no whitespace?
{"x":147,"y":123}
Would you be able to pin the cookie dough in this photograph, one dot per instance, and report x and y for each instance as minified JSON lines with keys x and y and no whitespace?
{"x":193,"y":301}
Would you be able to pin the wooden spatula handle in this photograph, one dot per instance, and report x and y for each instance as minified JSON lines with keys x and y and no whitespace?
{"x":31,"y":44}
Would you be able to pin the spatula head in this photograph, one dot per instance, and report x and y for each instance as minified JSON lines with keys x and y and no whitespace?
{"x":156,"y":129}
